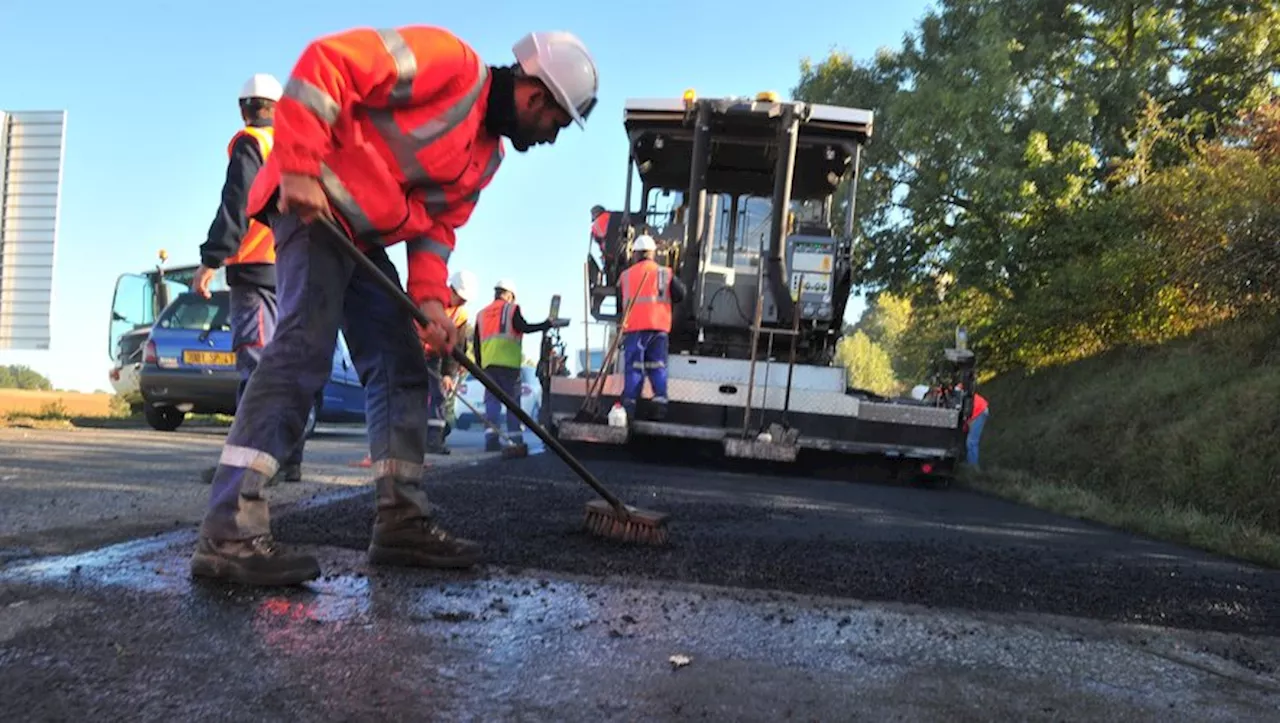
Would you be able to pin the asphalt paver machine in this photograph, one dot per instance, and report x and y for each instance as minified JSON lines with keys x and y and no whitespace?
{"x":751,"y":201}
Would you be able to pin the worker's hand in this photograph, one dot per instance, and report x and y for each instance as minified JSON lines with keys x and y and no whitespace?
{"x":204,"y":277}
{"x":447,"y":383}
{"x":441,"y":333}
{"x":303,"y":196}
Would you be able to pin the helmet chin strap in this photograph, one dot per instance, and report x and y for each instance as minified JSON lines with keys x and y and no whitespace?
{"x":501,"y":118}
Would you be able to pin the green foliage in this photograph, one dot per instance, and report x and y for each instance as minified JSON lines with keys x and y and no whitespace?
{"x":867,"y":366}
{"x":18,"y":376}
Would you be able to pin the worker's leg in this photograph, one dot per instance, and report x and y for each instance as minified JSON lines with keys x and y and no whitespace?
{"x":236,"y":539}
{"x":509,"y":378}
{"x":655,"y":366}
{"x":387,"y":353}
{"x":632,"y":370}
{"x":435,"y":408}
{"x":493,"y":413}
{"x":974,"y":437}
{"x":257,"y":316}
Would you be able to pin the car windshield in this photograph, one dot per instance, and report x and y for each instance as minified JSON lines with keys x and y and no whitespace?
{"x":193,"y":313}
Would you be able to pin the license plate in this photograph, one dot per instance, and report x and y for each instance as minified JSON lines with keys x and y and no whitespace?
{"x":209,"y":358}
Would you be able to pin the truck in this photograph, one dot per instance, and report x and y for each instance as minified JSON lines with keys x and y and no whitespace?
{"x":137,"y":300}
{"x":752,"y":203}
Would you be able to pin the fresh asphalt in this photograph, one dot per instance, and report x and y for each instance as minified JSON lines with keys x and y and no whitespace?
{"x":789,"y":598}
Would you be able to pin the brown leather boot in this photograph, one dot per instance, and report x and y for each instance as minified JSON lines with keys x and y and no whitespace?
{"x":256,"y":561}
{"x":405,"y":534}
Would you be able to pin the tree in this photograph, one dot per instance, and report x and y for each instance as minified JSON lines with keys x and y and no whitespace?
{"x":867,"y":366}
{"x":18,"y":376}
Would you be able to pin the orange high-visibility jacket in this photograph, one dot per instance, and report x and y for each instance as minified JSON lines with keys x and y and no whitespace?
{"x":258,"y":245}
{"x":652,"y":308}
{"x":600,"y":226}
{"x":979,"y":406}
{"x":392,"y":123}
{"x":458,"y":316}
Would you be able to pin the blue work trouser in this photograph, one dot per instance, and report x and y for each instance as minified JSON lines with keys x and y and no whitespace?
{"x":509,"y":379}
{"x":975,"y":435}
{"x":253,"y":323}
{"x":435,"y":395}
{"x":320,"y":290}
{"x":644,"y":354}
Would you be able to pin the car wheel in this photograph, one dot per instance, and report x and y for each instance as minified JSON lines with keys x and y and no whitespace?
{"x":312,"y":416}
{"x":464,"y":423}
{"x":163,"y":419}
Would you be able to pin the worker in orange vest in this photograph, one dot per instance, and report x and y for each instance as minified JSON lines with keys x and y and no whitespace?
{"x":500,"y":330}
{"x":462,"y":286}
{"x":393,"y":134}
{"x":973,"y":434}
{"x":650,"y":289}
{"x":246,"y":247}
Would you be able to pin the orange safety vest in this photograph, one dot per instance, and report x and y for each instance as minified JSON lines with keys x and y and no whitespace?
{"x":652,"y":308}
{"x":258,"y":245}
{"x":458,"y":316}
{"x":500,"y":343}
{"x":392,"y":123}
{"x":600,"y":226}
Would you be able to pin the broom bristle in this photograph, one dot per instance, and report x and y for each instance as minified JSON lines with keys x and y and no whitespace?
{"x":641,"y":526}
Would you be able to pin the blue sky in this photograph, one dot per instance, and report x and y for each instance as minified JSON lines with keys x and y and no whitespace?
{"x":150,"y":89}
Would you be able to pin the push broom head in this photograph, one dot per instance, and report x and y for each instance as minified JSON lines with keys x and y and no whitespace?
{"x":635,"y":525}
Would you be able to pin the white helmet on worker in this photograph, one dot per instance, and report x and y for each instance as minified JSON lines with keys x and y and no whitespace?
{"x":505,"y":285}
{"x":261,"y":85}
{"x":919,"y":391}
{"x":562,"y":63}
{"x":464,"y":284}
{"x":644,"y":242}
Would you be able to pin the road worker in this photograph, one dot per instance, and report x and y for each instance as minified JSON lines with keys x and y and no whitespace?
{"x":973,"y":432}
{"x":392,"y":134}
{"x":500,"y":330}
{"x":462,"y":287}
{"x":650,"y":289}
{"x":246,"y":248}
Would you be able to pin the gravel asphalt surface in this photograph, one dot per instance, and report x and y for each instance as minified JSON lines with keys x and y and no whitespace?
{"x":778,"y":598}
{"x":950,"y":549}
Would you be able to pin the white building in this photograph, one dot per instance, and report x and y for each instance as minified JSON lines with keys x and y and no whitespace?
{"x":31,"y":151}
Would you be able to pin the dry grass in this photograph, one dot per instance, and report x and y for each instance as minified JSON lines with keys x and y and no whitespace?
{"x":21,"y":402}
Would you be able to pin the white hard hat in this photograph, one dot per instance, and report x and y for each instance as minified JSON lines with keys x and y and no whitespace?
{"x":262,"y":85}
{"x":563,"y":64}
{"x":505,"y":285}
{"x":464,"y":283}
{"x":644,"y":242}
{"x":918,"y":391}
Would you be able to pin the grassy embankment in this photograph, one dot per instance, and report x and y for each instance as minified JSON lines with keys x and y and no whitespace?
{"x":66,"y":410}
{"x":1178,"y":442}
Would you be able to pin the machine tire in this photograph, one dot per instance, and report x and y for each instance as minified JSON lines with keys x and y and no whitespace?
{"x":163,"y":419}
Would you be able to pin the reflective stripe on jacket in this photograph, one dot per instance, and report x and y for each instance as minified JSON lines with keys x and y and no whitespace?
{"x":392,"y":123}
{"x":500,"y":343}
{"x":652,"y":309}
{"x":258,"y":245}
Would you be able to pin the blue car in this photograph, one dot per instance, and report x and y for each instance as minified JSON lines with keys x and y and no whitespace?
{"x":188,"y":368}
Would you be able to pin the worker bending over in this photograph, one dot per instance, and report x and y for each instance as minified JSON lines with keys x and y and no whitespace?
{"x":500,"y":330}
{"x":462,"y":286}
{"x":246,"y":248}
{"x":650,"y":289}
{"x":393,"y":133}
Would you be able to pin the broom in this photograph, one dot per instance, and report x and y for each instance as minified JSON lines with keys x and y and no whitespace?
{"x":608,"y":517}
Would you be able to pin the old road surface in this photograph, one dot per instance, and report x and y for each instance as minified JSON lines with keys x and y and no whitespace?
{"x":778,"y":599}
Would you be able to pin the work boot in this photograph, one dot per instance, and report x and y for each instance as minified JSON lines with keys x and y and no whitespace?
{"x":206,"y":476}
{"x":256,"y":561}
{"x":291,"y":472}
{"x":435,"y":441}
{"x":420,"y":542}
{"x":492,"y":444}
{"x":516,"y":450}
